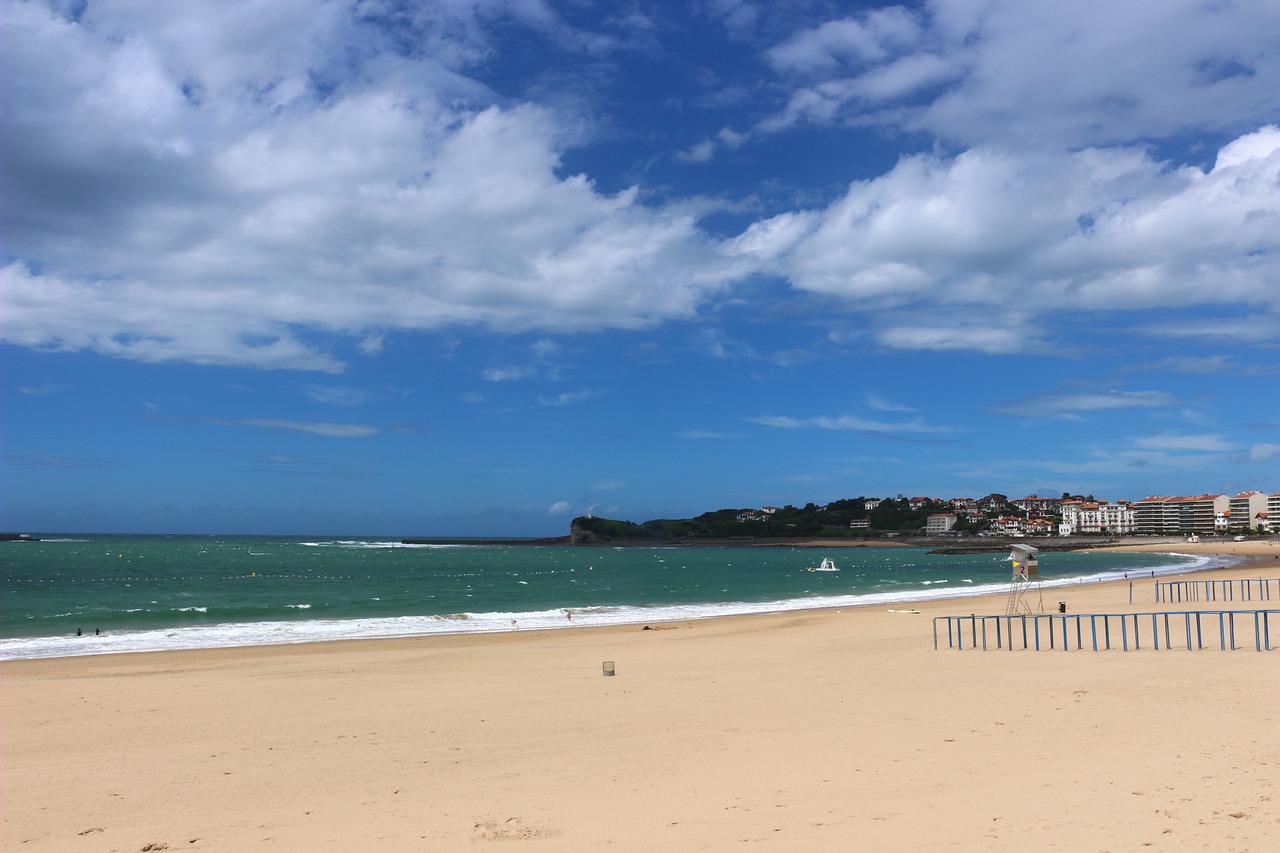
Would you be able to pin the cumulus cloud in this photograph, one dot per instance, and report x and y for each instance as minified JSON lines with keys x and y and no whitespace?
{"x":1024,"y":235}
{"x":560,"y":508}
{"x":206,"y":186}
{"x":1037,"y":72}
{"x":180,"y":190}
{"x":848,"y":42}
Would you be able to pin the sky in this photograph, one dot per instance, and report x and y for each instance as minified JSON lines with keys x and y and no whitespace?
{"x":477,"y":267}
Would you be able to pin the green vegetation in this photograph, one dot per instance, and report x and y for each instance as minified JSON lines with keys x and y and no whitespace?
{"x":829,"y":521}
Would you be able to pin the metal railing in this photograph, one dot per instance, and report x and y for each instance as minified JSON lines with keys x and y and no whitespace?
{"x":1192,"y":629}
{"x":1233,"y":589}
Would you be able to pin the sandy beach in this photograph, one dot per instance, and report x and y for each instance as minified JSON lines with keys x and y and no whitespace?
{"x":830,"y":730}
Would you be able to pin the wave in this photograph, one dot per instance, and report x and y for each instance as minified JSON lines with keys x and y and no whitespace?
{"x":357,"y":544}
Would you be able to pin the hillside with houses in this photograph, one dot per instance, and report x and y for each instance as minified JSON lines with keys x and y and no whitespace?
{"x":991,"y":515}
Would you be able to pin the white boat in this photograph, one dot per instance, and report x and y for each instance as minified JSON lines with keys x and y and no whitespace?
{"x":828,"y":565}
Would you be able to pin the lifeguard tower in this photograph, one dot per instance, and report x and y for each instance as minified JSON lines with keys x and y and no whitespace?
{"x":1026,"y":576}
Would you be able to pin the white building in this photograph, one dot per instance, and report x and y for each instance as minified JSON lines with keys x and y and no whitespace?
{"x":940,"y":522}
{"x":1116,"y":519}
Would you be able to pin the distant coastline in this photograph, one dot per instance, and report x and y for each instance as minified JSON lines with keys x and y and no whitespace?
{"x":937,"y":545}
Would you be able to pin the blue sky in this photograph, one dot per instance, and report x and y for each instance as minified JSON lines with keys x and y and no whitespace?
{"x":475,"y":267}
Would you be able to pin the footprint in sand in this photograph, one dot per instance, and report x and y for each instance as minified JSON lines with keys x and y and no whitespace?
{"x":511,"y":829}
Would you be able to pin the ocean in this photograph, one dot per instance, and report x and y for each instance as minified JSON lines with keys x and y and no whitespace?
{"x":78,"y":595}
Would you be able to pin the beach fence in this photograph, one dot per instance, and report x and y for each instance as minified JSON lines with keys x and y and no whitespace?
{"x":1194,"y":630}
{"x":1234,"y":589}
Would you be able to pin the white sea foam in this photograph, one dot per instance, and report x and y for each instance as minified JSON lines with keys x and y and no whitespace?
{"x":356,"y":544}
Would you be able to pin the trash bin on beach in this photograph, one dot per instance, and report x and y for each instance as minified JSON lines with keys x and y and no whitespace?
{"x":1062,"y":607}
{"x":608,"y":667}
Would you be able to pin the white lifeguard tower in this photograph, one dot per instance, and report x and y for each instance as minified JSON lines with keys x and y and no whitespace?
{"x":1026,"y":574}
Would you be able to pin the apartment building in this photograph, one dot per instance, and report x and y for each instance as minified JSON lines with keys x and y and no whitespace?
{"x":1173,"y":514}
{"x":1246,"y":510}
{"x":1272,"y":521}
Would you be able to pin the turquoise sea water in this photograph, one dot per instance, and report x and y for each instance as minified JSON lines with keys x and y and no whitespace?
{"x":169,"y":592}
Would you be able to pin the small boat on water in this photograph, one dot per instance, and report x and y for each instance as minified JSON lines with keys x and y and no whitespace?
{"x":828,"y":565}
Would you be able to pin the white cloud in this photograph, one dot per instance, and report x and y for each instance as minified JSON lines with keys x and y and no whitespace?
{"x":342,"y":397}
{"x":567,"y":398}
{"x":181,"y":189}
{"x":846,"y":422}
{"x":47,"y":390}
{"x":701,"y":152}
{"x":509,"y":374}
{"x":314,"y":428}
{"x":560,"y":508}
{"x":848,"y":42}
{"x":997,"y":238}
{"x":203,"y":185}
{"x":1071,"y":405}
{"x":881,"y":404}
{"x":989,"y":337}
{"x":1185,"y":364}
{"x":1207,"y":443}
{"x":1260,"y":452}
{"x":1038,"y":72}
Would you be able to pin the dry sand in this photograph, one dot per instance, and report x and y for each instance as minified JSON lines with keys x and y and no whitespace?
{"x":838,"y":730}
